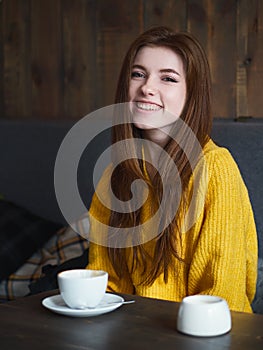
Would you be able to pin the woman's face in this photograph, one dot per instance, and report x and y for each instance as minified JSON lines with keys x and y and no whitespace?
{"x":157,"y":86}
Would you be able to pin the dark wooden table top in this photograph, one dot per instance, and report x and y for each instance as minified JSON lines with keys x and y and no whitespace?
{"x":146,"y":324}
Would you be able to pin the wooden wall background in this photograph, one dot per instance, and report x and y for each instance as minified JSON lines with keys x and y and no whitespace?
{"x":60,"y":59}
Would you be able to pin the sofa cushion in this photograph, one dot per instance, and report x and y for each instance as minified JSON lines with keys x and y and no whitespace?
{"x":66,"y":249}
{"x":257,"y":304}
{"x":21,"y":234}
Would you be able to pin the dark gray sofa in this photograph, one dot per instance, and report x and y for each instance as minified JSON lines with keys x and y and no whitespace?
{"x":28,"y":152}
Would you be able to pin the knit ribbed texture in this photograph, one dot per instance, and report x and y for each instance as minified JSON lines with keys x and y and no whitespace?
{"x":219,"y":244}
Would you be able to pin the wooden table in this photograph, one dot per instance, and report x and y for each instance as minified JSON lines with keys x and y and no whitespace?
{"x":147,"y":324}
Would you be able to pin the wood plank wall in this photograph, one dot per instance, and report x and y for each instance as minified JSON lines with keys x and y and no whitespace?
{"x":60,"y":59}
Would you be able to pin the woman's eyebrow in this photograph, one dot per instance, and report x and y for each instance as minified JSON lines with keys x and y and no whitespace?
{"x":138,"y":66}
{"x":169,"y":70}
{"x":164,"y":70}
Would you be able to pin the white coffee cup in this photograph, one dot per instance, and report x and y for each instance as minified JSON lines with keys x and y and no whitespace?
{"x":204,"y":315}
{"x":82,"y":288}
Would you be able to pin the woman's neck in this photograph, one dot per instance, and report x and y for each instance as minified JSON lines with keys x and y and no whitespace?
{"x":153,"y":149}
{"x":157,"y":136}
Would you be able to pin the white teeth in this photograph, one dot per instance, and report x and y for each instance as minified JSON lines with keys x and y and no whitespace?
{"x":148,"y":106}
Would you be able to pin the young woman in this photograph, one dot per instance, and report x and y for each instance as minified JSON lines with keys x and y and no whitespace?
{"x":192,"y":231}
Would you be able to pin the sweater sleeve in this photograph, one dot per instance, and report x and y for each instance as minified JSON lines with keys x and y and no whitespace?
{"x":225,"y":259}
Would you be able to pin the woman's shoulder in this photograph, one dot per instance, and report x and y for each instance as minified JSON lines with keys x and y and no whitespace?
{"x":212,"y":149}
{"x":216,"y":155}
{"x":220,"y":164}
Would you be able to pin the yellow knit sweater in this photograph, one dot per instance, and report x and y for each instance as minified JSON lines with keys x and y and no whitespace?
{"x":220,"y":244}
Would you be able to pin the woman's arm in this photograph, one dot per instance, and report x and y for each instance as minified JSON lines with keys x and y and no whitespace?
{"x":225,"y":259}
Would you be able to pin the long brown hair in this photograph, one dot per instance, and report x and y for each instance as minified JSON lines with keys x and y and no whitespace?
{"x":197,"y":116}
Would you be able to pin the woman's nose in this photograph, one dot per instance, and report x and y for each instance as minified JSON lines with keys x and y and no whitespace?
{"x":148,"y":88}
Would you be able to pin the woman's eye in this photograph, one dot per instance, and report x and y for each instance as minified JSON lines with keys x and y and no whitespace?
{"x":137,"y":75}
{"x":170,"y":79}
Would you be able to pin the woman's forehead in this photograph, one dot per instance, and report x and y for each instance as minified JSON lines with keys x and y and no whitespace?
{"x":159,"y":57}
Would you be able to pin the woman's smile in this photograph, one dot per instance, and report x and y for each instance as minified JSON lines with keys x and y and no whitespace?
{"x":146,"y":106}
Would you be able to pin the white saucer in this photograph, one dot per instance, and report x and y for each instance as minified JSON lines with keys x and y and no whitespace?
{"x":56,"y":304}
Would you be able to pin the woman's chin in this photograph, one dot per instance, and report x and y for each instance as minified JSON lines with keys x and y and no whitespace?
{"x":143,"y":125}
